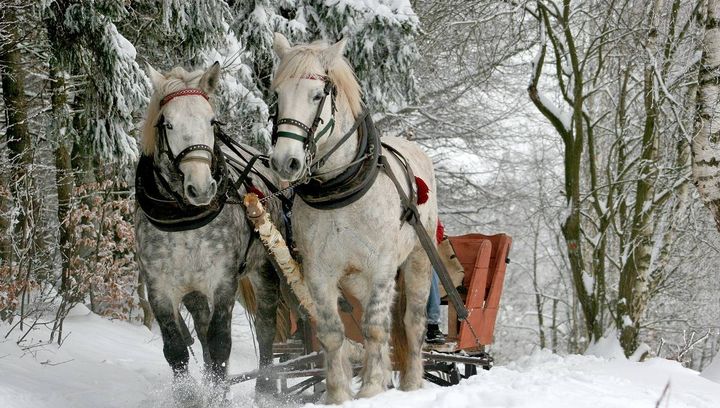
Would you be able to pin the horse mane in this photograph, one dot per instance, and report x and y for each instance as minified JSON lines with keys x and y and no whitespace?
{"x":178,"y":78}
{"x":298,"y":61}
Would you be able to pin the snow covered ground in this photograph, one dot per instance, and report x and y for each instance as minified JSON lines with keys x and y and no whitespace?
{"x":116,"y":364}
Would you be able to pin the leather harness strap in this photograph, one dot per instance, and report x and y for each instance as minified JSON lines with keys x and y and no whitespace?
{"x":236,"y":148}
{"x":412,"y":216}
{"x":352,"y":184}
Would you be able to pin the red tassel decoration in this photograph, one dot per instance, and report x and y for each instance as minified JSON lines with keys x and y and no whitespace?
{"x":439,"y":231}
{"x":423,"y":191}
{"x":256,"y":191}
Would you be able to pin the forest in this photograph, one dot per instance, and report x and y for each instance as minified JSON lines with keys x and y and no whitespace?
{"x":586,"y":130}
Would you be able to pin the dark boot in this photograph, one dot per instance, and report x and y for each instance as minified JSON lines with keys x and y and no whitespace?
{"x":433,"y":335}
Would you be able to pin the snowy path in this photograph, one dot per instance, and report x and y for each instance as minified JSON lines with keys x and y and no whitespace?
{"x":115,"y":364}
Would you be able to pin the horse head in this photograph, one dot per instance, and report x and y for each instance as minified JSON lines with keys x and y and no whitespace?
{"x":179,"y":131}
{"x":316,"y":90}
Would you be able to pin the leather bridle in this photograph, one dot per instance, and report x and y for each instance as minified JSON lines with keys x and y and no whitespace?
{"x":309,"y":139}
{"x":215,"y":161}
{"x":163,"y":143}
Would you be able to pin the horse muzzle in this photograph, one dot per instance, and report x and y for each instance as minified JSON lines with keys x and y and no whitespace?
{"x":287,"y":167}
{"x":199,"y":185}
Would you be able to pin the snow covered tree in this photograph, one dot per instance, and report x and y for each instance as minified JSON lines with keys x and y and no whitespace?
{"x":18,"y":142}
{"x":625,"y":162}
{"x":115,"y":86}
{"x":705,"y":148}
{"x":381,"y":46}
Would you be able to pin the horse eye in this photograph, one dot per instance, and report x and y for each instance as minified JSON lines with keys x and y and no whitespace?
{"x":317,"y":97}
{"x":168,"y":126}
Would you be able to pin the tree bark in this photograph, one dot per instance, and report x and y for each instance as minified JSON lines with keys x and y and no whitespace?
{"x":63,"y":167}
{"x":61,"y":131}
{"x":18,"y":137}
{"x":706,"y":142}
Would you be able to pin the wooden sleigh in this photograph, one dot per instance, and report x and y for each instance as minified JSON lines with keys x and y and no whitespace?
{"x":484,"y":259}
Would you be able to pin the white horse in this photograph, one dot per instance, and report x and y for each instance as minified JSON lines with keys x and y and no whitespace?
{"x":357,"y":241}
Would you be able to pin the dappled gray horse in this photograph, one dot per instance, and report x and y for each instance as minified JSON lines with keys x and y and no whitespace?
{"x":192,"y":245}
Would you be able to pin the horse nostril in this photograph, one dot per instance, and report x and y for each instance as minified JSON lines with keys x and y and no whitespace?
{"x":293,"y":164}
{"x":191,"y":191}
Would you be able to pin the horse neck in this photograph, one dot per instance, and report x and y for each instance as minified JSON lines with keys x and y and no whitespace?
{"x":345,"y":154}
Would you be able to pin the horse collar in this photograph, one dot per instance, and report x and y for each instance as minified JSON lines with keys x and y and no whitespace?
{"x":163,"y":208}
{"x":355,"y":181}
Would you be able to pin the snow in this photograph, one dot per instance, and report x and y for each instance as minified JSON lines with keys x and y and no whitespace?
{"x":124,"y":48}
{"x":564,"y":116}
{"x":106,"y":363}
{"x":712,"y":372}
{"x":588,"y":282}
{"x":607,"y":347}
{"x":399,"y":10}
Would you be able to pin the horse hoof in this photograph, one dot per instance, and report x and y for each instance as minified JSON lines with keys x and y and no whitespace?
{"x":337,"y":398}
{"x":186,"y":393}
{"x":369,"y":391}
{"x":410,"y":386}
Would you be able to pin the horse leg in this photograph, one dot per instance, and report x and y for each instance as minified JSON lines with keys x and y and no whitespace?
{"x":174,"y":347}
{"x":376,"y":332}
{"x":266,"y":284}
{"x":417,"y":273}
{"x":197,"y":304}
{"x":330,"y":333}
{"x":218,"y":334}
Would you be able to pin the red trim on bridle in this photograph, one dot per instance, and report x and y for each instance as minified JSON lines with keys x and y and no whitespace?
{"x":184,"y":92}
{"x":316,"y":77}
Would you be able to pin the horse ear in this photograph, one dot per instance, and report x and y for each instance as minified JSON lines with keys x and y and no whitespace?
{"x":281,"y":45}
{"x":156,"y":78}
{"x":210,"y":78}
{"x":335,"y":51}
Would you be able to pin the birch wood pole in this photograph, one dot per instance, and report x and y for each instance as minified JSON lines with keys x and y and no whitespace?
{"x":274,"y":242}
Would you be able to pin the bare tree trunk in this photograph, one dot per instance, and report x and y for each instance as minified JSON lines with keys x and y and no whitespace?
{"x":63,"y":167}
{"x":62,"y":134}
{"x":705,"y":143}
{"x":13,"y":87}
{"x":5,"y":202}
{"x":634,"y":278}
{"x":573,"y":136}
{"x":536,"y":287}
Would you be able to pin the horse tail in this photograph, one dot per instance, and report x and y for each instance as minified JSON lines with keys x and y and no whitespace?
{"x":246,"y":297}
{"x":282,"y":321}
{"x":398,"y":337}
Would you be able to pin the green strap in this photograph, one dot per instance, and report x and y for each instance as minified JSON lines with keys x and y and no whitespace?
{"x":330,"y":126}
{"x":291,"y":135}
